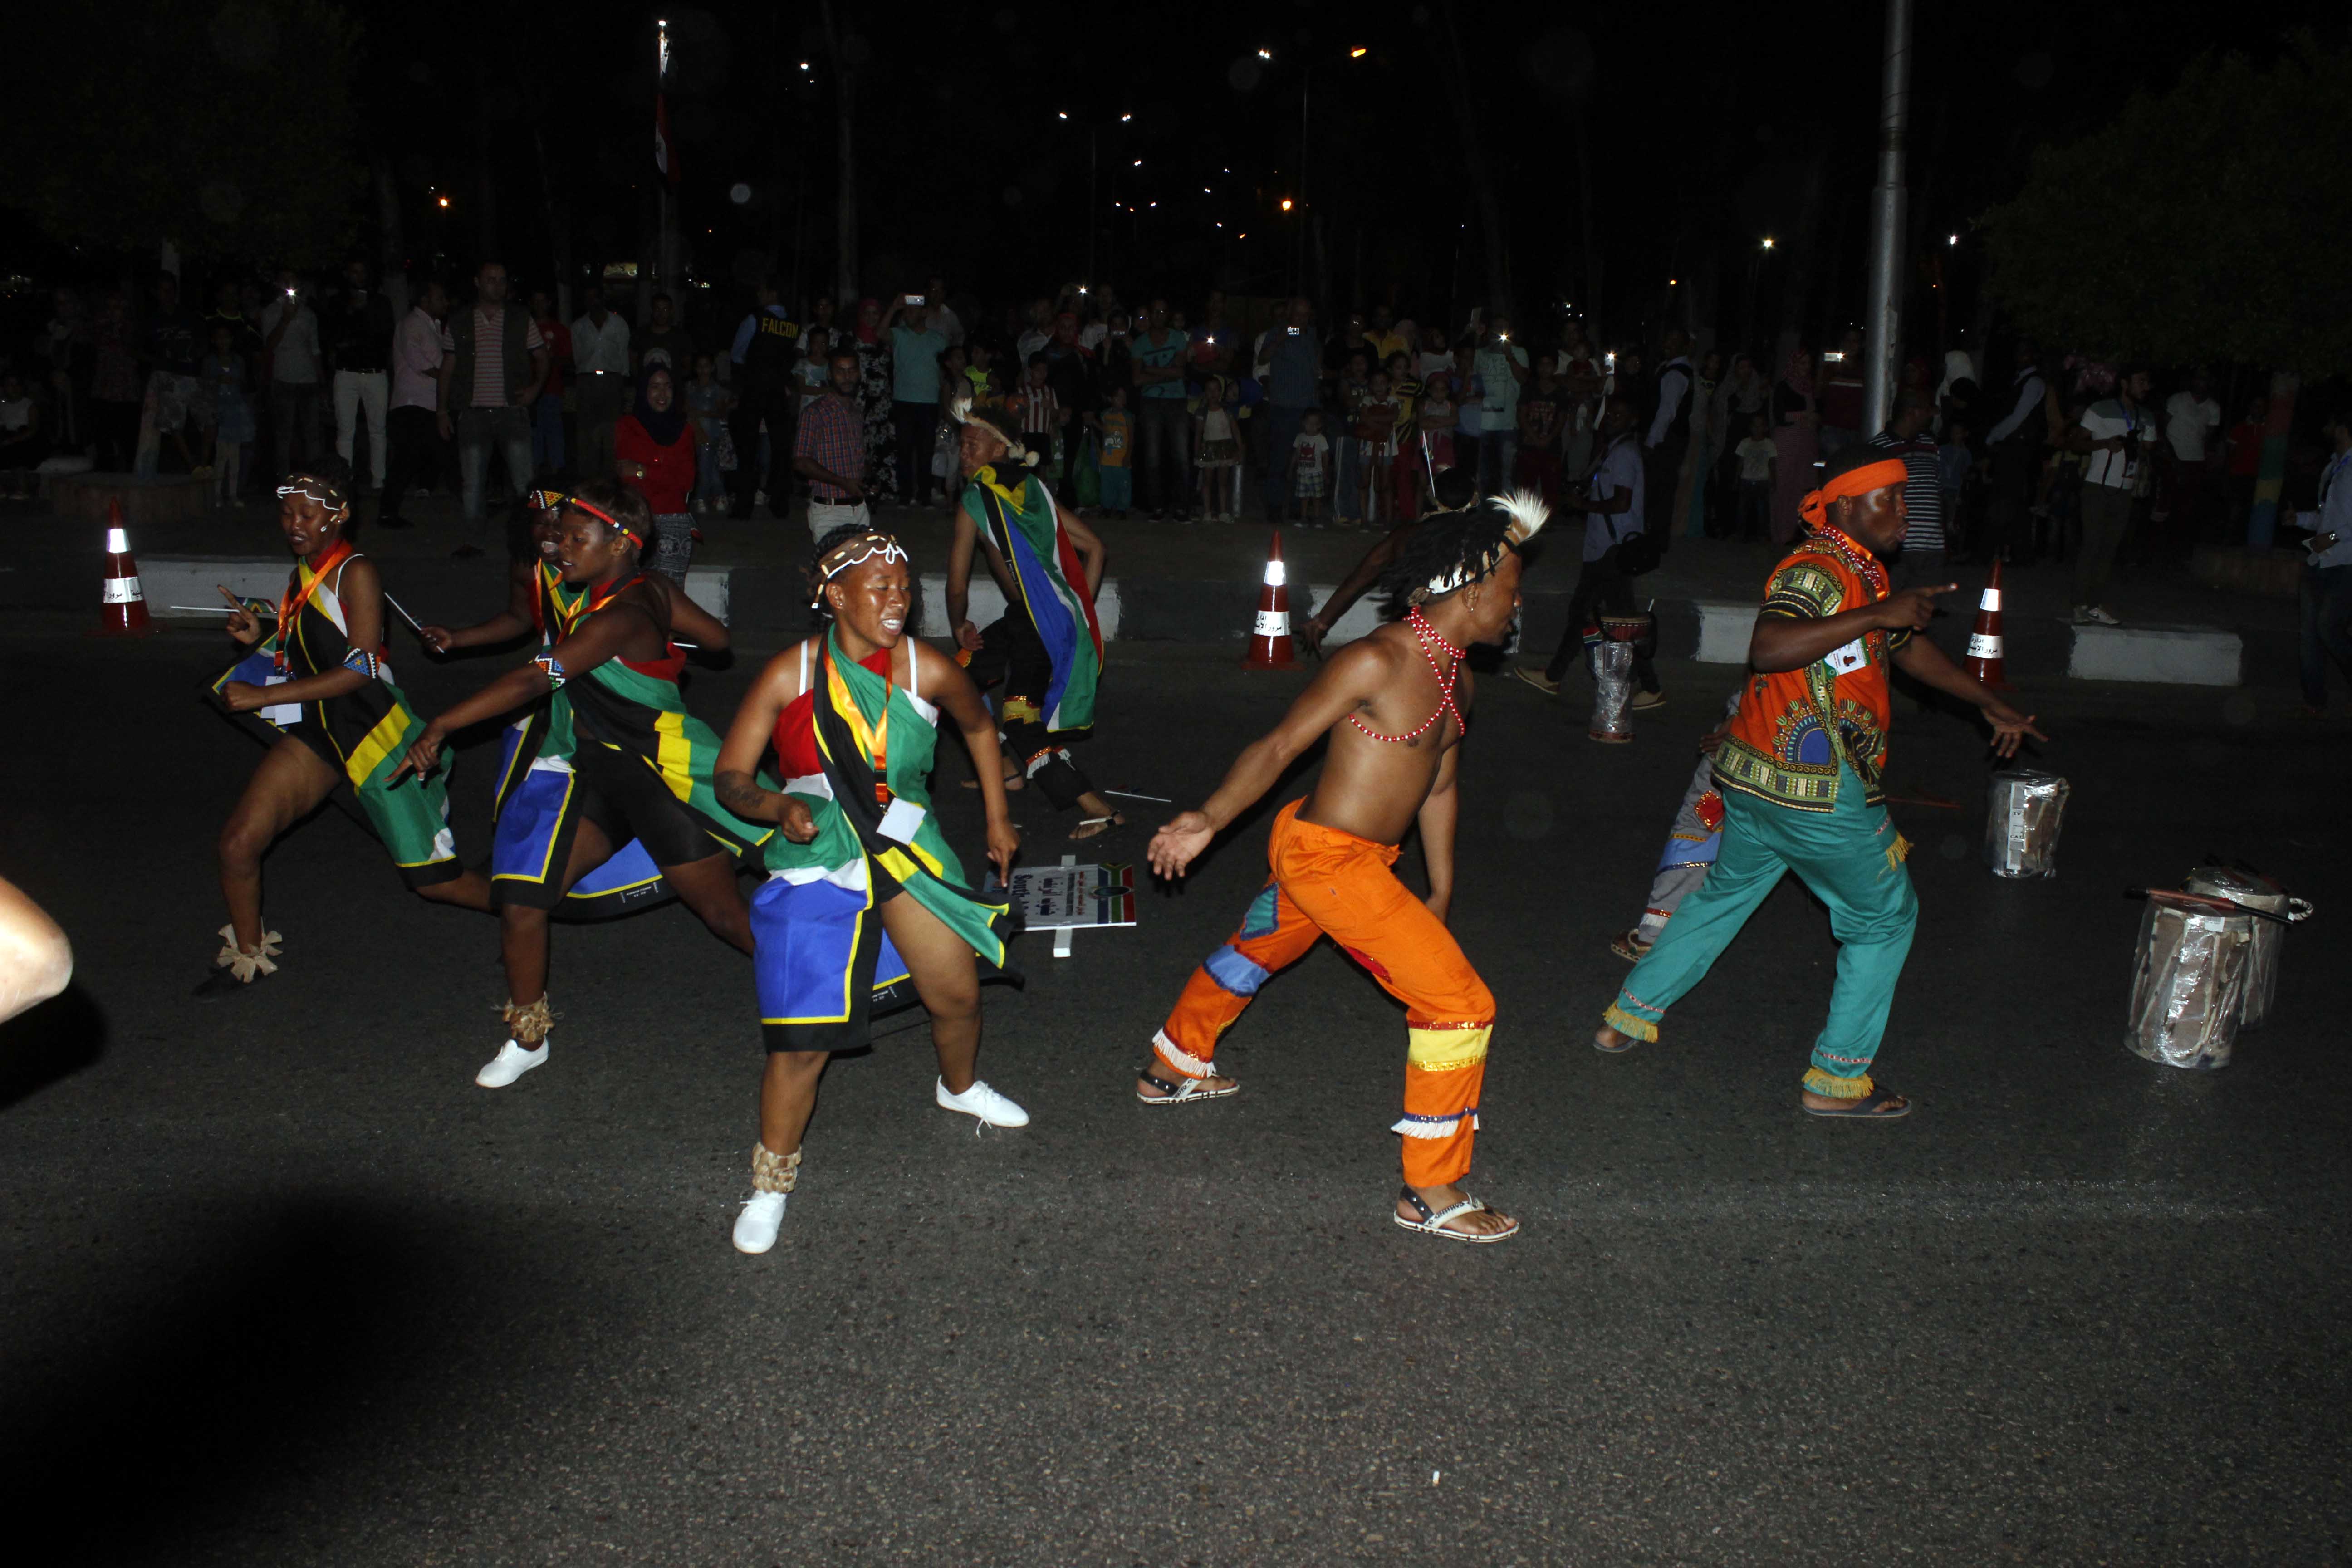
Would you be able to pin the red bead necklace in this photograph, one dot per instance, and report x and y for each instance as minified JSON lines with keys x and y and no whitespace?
{"x":1446,"y":678}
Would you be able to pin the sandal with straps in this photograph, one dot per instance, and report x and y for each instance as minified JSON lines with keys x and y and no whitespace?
{"x":1434,"y":1224}
{"x":1186,"y":1091}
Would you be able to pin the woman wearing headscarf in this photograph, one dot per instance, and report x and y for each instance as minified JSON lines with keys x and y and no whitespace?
{"x":874,"y":371}
{"x":1796,"y":443}
{"x":653,"y":451}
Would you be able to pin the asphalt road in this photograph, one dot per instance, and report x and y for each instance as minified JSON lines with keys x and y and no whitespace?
{"x":282,"y":1287}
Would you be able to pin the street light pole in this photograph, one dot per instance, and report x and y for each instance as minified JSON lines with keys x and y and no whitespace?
{"x":1884,"y":321}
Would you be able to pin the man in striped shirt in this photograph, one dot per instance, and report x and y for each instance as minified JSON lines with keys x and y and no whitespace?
{"x":1923,"y":558}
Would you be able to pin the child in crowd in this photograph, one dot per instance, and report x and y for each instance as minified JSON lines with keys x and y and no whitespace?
{"x":1311,"y":468}
{"x":1541,"y":408}
{"x":815,"y":364}
{"x":1115,"y":429}
{"x":987,"y":386}
{"x":1438,"y":415}
{"x":707,"y":406}
{"x":1218,"y":440}
{"x":1041,"y":416}
{"x":1376,"y":418}
{"x":20,"y":442}
{"x":1754,"y":453}
{"x":223,"y":373}
{"x":1349,"y":393}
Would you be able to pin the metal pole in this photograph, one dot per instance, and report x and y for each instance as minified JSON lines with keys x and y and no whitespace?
{"x":1305,"y":103}
{"x":1884,"y":321}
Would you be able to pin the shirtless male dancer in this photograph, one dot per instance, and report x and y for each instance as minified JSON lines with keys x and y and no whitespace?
{"x":1394,"y":706}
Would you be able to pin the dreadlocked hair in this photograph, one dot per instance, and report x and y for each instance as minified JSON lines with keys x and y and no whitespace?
{"x":1446,"y":543}
{"x":821,"y":612}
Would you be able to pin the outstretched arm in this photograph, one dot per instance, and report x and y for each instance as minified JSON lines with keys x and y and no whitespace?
{"x":1926,"y":663}
{"x":1091,"y":551}
{"x":1791,"y":642}
{"x":734,"y":781}
{"x":505,"y":627}
{"x":697,"y":626}
{"x":1437,"y":817}
{"x":1358,"y":582}
{"x":1349,"y":679}
{"x":598,"y":639}
{"x":959,"y":551}
{"x":960,"y":701}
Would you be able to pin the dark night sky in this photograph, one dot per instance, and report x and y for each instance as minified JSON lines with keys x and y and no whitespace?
{"x":1701,"y":123}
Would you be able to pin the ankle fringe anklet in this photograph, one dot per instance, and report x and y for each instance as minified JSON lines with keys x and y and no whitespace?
{"x":246,"y":962}
{"x":529,"y":1025}
{"x":774,"y":1172}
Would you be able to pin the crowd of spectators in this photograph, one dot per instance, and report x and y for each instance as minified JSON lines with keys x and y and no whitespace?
{"x":1211,"y":410}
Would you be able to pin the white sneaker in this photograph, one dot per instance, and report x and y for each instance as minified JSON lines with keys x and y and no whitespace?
{"x":2092,"y":615}
{"x":512,"y":1062}
{"x":983,"y":1103}
{"x":756,"y":1226}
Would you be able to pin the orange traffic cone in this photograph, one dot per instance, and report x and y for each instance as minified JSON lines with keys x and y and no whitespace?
{"x":1984,"y":660}
{"x":1270,"y":638}
{"x":122,"y":605}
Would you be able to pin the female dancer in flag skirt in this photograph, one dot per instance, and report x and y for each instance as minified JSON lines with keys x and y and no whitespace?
{"x":863,"y":890}
{"x":639,"y":765}
{"x":319,"y":673}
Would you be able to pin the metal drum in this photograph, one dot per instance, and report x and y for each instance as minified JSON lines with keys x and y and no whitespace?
{"x":1613,"y":691}
{"x":2021,"y":818}
{"x":2188,"y":983}
{"x":2255,"y":892}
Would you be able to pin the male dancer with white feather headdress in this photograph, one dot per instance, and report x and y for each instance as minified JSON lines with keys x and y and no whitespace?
{"x":1395,"y":706}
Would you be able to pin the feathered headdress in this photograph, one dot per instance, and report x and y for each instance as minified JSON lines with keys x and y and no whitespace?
{"x":1527,"y":514}
{"x":998,"y":424}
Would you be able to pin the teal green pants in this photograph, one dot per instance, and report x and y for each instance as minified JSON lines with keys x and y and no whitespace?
{"x":1852,"y":859}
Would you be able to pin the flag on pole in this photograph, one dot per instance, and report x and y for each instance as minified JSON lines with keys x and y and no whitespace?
{"x":665,"y":158}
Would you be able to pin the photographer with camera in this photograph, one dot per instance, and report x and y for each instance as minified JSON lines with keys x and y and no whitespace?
{"x":1616,"y":551}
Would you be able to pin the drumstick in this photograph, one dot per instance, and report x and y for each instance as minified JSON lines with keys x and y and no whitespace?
{"x":413,"y":624}
{"x":206,"y":609}
{"x":1130,"y":795}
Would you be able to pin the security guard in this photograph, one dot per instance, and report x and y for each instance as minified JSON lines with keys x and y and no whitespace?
{"x":766,"y":344}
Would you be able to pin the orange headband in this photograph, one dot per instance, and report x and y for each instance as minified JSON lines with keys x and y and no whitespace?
{"x":576,"y":504}
{"x":1815,"y":508}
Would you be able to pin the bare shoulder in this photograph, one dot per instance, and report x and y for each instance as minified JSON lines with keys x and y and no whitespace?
{"x":359,"y":575}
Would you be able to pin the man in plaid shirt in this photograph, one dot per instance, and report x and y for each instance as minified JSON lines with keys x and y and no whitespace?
{"x":829,"y":449}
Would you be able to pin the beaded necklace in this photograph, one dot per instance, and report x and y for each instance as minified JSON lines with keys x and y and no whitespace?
{"x":1445,"y":679}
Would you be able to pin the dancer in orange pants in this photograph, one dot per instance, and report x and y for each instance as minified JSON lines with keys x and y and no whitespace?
{"x":1327,"y":882}
{"x":1394,"y":706}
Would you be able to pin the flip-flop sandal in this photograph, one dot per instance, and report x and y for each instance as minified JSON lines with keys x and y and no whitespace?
{"x":1434,"y":1224}
{"x":1111,"y":823}
{"x":1189,"y":1090}
{"x":1628,"y":946}
{"x":1871,"y":1107}
{"x":1614,"y":1050}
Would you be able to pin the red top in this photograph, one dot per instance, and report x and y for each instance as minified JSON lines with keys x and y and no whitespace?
{"x":558,"y":338}
{"x":669,"y":470}
{"x":796,"y":738}
{"x":2246,"y":450}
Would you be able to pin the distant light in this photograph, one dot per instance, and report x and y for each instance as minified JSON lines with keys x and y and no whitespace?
{"x":1220,"y":225}
{"x":739,"y":192}
{"x":1356,"y":54}
{"x":1954,"y":241}
{"x":1768,"y":242}
{"x":1285,"y":203}
{"x":1671,"y":281}
{"x":444,"y":201}
{"x":804,"y":65}
{"x":1147,"y":205}
{"x":1125,"y":118}
{"x":1265,"y":53}
{"x":1243,"y":236}
{"x":1082,"y":287}
{"x":1138,"y":162}
{"x":1206,"y":192}
{"x":1064,"y":113}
